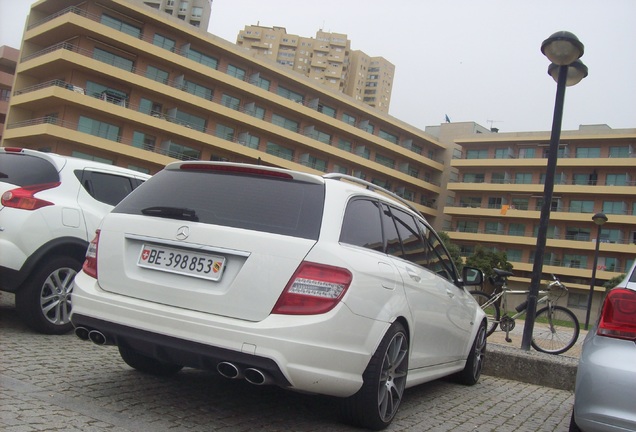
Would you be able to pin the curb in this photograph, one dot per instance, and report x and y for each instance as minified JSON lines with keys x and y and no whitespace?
{"x":554,"y":371}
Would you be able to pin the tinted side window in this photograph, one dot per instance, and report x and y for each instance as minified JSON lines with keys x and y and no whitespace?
{"x":411,"y":238}
{"x":362,"y":226}
{"x":25,"y":170}
{"x":393,"y":244}
{"x":106,"y":188}
{"x":439,"y":260}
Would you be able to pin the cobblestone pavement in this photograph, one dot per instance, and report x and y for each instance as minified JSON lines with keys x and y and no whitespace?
{"x":60,"y":383}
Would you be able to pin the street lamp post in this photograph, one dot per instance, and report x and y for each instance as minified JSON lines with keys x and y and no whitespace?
{"x":563,"y":49}
{"x":599,"y":219}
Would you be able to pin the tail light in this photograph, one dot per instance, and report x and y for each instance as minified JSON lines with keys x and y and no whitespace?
{"x":618,"y":318}
{"x":23,"y":198}
{"x":90,"y":264}
{"x":313,"y":289}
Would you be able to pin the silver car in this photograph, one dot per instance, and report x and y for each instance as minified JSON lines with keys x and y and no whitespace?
{"x":605,"y":394}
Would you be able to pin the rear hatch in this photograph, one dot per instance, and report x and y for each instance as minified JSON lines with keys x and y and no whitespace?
{"x":222,"y":239}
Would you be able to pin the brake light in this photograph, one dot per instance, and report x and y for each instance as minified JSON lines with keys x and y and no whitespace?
{"x":313,"y":289}
{"x":618,"y":318}
{"x":236,"y":170}
{"x":23,"y":198}
{"x":90,"y":264}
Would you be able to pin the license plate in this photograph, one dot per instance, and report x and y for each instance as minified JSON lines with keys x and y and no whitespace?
{"x":200,"y":265}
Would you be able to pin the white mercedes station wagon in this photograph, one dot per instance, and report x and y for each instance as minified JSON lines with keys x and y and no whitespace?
{"x":321,"y":284}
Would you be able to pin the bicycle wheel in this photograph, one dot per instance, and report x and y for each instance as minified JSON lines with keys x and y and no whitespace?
{"x":556,"y":330}
{"x":491,"y":309}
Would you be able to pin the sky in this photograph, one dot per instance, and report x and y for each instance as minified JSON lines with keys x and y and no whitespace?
{"x":471,"y":60}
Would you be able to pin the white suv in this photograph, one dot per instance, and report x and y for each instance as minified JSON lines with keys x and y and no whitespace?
{"x":310,"y":283}
{"x":50,"y":208}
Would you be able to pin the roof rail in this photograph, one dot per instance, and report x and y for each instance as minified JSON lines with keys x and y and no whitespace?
{"x":372,"y":187}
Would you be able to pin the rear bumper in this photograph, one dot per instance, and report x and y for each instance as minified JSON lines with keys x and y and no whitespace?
{"x":605,"y":383}
{"x":323,"y":354}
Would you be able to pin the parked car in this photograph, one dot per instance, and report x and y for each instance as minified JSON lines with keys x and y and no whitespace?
{"x":50,"y":208}
{"x":606,"y":376}
{"x":312,"y":283}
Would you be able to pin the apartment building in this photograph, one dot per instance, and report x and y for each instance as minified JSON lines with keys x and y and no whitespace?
{"x":194,"y":12}
{"x":8,"y":61}
{"x":498,"y":187}
{"x":115,"y":81}
{"x":327,"y":59}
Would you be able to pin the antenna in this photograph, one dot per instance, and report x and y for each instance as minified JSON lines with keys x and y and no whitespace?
{"x":493,"y":121}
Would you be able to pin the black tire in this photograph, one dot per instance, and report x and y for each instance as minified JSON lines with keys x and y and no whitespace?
{"x":147,"y":364}
{"x":573,"y":426}
{"x":555,"y":333}
{"x":475,"y":362}
{"x":374,"y":406}
{"x":44,"y":300}
{"x":492,"y":311}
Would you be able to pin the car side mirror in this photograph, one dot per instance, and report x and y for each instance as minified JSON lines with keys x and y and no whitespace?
{"x":472,"y":276}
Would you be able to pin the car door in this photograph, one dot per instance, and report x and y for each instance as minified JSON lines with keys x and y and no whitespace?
{"x":440,"y":321}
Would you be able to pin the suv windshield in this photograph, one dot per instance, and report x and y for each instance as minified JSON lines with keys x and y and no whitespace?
{"x":259,"y":203}
{"x":25,"y":170}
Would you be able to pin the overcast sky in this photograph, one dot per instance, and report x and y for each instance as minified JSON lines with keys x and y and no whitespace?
{"x":473,"y":60}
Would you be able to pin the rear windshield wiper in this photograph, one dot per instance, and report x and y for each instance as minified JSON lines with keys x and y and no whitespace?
{"x":172,"y":213}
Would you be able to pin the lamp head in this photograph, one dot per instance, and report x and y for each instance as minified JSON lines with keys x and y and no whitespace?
{"x":562,"y":48}
{"x":576,"y":72}
{"x":599,"y":218}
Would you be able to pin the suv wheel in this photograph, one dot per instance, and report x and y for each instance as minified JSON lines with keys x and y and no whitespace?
{"x":44,"y":301}
{"x":384,"y":381}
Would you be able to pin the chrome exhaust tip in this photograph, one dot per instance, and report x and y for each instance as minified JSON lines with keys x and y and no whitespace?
{"x":97,"y":337}
{"x":82,"y":333}
{"x":256,"y":377}
{"x":229,"y":370}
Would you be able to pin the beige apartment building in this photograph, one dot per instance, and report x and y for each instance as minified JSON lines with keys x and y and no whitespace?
{"x":8,"y":61}
{"x":327,"y":59}
{"x":498,"y":182}
{"x":194,"y":12}
{"x":115,"y":81}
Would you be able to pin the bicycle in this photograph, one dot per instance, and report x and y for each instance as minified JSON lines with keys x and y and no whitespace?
{"x":556,"y":328}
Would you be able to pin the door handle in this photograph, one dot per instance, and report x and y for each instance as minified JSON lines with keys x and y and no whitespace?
{"x":450,"y":293}
{"x":413,"y":275}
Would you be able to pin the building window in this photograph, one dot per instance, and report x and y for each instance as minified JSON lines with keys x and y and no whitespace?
{"x":236,"y":72}
{"x":120,"y":25}
{"x":495,"y":202}
{"x":157,"y":74}
{"x":280,"y":151}
{"x":523,"y":178}
{"x":98,"y":128}
{"x":527,"y":153}
{"x":204,"y":59}
{"x":263,"y":83}
{"x":616,"y":180}
{"x":468,"y":226}
{"x":289,"y":94}
{"x":503,"y":153}
{"x":198,"y":90}
{"x":189,"y":120}
{"x":313,"y":162}
{"x":520,"y":203}
{"x":112,"y":59}
{"x":230,"y":102}
{"x":345,"y":145}
{"x":513,"y":255}
{"x":575,"y":261}
{"x":224,"y":132}
{"x":179,"y":151}
{"x":477,"y":154}
{"x":82,"y":155}
{"x":473,"y":202}
{"x":581,"y":206}
{"x":578,"y":234}
{"x":388,"y":136}
{"x":385,"y":160}
{"x":614,"y":207}
{"x":143,"y":141}
{"x":323,"y":137}
{"x":286,"y":123}
{"x":163,"y":42}
{"x":349,"y":119}
{"x":620,"y":152}
{"x":517,"y":229}
{"x":498,"y":178}
{"x":588,"y":152}
{"x":493,"y":228}
{"x":327,"y":110}
{"x":197,"y":12}
{"x":474,"y":178}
